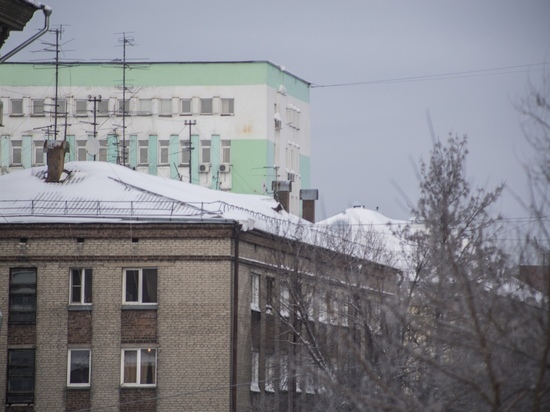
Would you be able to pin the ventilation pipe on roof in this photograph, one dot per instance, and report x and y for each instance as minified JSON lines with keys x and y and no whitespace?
{"x":281,"y":192}
{"x":47,"y":12}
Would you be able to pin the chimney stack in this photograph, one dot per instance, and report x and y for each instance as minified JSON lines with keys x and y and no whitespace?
{"x":55,"y":152}
{"x":308,"y":198}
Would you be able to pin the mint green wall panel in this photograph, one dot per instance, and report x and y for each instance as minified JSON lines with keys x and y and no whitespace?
{"x":249,"y":170}
{"x":195,"y":147}
{"x":133,"y":151}
{"x":70,"y":156}
{"x":153,"y":154}
{"x":5,"y":148}
{"x":305,"y":171}
{"x":294,"y":86}
{"x":158,"y":74}
{"x":26,"y":152}
{"x":112,"y":148}
{"x":173,"y":156}
{"x":215,"y":159}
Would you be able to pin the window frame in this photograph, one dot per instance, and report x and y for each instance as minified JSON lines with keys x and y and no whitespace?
{"x":77,"y":111}
{"x":231,"y":103}
{"x":16,"y":145}
{"x":161,"y":112}
{"x":139,"y":291}
{"x":203,"y":102}
{"x":255,"y":292}
{"x":139,"y":367}
{"x":185,"y":153}
{"x":19,"y":373}
{"x":164,"y":152}
{"x":31,"y":295}
{"x":86,"y":286}
{"x":141,"y":111}
{"x":17,"y":114}
{"x":39,"y":153}
{"x":143,"y":147}
{"x":70,"y":364}
{"x":184,"y":112}
{"x":35,"y":108}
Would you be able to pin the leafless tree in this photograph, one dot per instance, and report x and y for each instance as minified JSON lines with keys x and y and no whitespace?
{"x":455,"y":328}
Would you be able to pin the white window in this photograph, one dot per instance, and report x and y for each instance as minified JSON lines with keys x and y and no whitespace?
{"x":228,"y":107}
{"x":269,"y":373}
{"x":140,"y":286}
{"x":61,"y":107}
{"x":143,"y":153}
{"x":255,"y":372}
{"x":284,"y":302}
{"x":186,"y":107}
{"x":145,"y":107}
{"x":81,"y":107}
{"x":81,"y":151}
{"x":81,"y":287}
{"x":139,"y":367}
{"x":103,"y":150}
{"x":165,"y":107}
{"x":226,"y":151}
{"x":16,"y":107}
{"x":78,"y":367}
{"x":39,"y":152}
{"x":38,"y":107}
{"x":255,"y":292}
{"x":206,"y":106}
{"x":123,"y":107}
{"x":103,"y":107}
{"x":163,"y":151}
{"x":16,"y":147}
{"x":205,"y":151}
{"x":185,"y":152}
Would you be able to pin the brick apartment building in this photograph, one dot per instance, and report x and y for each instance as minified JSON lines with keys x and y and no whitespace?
{"x":129,"y":292}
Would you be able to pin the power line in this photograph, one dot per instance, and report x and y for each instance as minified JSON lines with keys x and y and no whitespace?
{"x":442,"y":76}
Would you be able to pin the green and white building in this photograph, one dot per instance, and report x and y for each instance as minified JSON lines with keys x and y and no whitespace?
{"x":249,"y":131}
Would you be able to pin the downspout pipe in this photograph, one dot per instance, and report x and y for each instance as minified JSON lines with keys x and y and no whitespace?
{"x":47,"y":12}
{"x":235,"y":318}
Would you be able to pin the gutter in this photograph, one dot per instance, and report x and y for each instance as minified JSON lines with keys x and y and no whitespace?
{"x":47,"y":12}
{"x":234,"y":320}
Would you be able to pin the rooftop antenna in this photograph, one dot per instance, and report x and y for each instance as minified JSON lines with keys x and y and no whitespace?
{"x":125,"y":41}
{"x":56,"y":48}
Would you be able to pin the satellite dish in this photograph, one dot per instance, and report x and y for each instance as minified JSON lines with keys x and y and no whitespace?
{"x":92,"y":146}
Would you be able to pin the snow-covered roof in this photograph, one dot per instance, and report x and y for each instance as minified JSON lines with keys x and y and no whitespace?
{"x":106,"y":191}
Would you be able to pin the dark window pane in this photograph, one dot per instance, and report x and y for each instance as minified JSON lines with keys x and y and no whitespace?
{"x":88,"y":286}
{"x":132,"y":278}
{"x":77,"y":285}
{"x":23,"y":276}
{"x":149,"y":285}
{"x":20,"y":382}
{"x":80,"y":366}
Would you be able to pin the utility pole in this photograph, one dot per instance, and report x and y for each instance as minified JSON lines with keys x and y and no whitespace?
{"x":190,"y":123}
{"x":95,"y":101}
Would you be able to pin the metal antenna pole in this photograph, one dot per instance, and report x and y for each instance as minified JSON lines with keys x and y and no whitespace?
{"x":190,"y":123}
{"x":124,"y":99}
{"x":56,"y":82}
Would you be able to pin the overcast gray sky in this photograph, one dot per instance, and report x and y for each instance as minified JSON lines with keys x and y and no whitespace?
{"x":365,"y":137}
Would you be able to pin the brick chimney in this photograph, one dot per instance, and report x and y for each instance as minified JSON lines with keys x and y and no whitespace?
{"x":308,"y":198}
{"x":55,"y":152}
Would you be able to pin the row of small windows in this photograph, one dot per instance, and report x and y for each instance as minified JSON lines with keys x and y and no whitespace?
{"x":164,"y":150}
{"x":138,"y":369}
{"x":133,"y":107}
{"x":139,"y":288}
